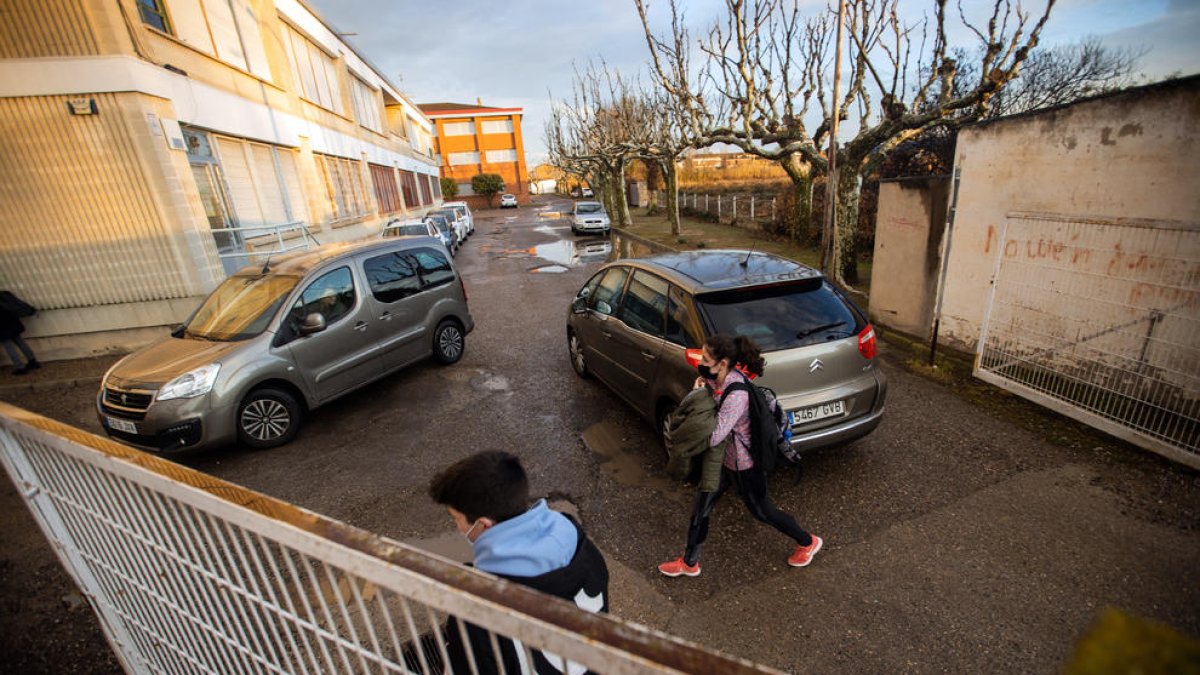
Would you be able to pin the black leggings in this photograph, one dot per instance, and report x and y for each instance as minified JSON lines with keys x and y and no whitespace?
{"x":751,"y":486}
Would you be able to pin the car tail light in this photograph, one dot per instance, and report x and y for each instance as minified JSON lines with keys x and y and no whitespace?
{"x":693,"y":356}
{"x":866,"y":342}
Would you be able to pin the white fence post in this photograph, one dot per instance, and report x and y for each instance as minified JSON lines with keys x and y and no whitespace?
{"x":751,"y":207}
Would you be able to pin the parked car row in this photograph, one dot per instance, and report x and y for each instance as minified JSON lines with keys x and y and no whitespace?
{"x":271,"y":344}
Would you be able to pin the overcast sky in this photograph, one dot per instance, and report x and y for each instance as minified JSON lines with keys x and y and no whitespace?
{"x":520,"y":53}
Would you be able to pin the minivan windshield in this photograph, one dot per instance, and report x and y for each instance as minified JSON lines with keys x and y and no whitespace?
{"x":588,"y":208}
{"x":241,"y":307}
{"x":782,"y":317}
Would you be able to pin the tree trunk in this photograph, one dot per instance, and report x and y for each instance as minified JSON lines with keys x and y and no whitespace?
{"x":845,"y":243}
{"x":672,"y":180}
{"x":802,"y":185}
{"x":622,"y":199}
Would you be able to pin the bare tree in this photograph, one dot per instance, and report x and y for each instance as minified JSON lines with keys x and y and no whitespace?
{"x":765,"y":76}
{"x":660,"y":137}
{"x":595,"y":134}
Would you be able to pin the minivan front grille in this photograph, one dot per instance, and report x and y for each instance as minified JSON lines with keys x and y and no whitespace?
{"x":131,"y":400}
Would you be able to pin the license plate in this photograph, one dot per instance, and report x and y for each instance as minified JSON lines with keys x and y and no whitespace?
{"x":121,"y":425}
{"x":817,"y":412}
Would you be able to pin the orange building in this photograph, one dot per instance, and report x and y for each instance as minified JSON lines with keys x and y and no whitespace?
{"x":474,"y":139}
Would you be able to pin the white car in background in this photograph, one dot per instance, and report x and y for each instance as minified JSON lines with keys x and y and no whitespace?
{"x":409,"y":228}
{"x":508,"y":201}
{"x":457,"y":219}
{"x":466,"y":212}
{"x":589,"y":217}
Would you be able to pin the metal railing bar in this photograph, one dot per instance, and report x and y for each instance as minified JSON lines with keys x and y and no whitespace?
{"x":312,"y":617}
{"x":495,"y":645}
{"x":57,"y":475}
{"x":153,"y":556}
{"x":316,"y":588}
{"x":251,"y":542}
{"x":415,"y":637}
{"x":234,"y":614}
{"x":198,"y":561}
{"x":366,"y":617}
{"x":260,"y":608}
{"x":466,"y":641}
{"x":398,"y":650}
{"x":436,"y":628}
{"x":298,"y":622}
{"x":205,"y":610}
{"x":331,"y":578}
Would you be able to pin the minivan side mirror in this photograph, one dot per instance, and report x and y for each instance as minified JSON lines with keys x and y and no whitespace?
{"x":177,"y":331}
{"x":313,"y":323}
{"x":579,"y":304}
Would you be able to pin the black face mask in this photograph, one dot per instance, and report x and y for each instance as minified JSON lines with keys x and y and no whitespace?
{"x":705,"y":372}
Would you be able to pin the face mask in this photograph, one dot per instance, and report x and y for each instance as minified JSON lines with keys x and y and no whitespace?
{"x":467,"y":534}
{"x":705,"y":372}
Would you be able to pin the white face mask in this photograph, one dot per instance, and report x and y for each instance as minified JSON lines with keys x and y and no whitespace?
{"x":467,"y":534}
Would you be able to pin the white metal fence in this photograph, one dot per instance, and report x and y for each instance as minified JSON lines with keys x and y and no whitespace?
{"x":191,"y":574}
{"x":1098,"y":319}
{"x":727,"y":207}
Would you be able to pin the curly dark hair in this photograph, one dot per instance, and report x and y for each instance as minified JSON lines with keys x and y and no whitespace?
{"x":490,"y":483}
{"x":740,"y":350}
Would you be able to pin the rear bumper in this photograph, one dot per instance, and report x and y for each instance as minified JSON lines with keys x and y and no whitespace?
{"x":840,"y":434}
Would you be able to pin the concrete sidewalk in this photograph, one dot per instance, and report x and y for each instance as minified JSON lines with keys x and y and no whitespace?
{"x":57,"y":374}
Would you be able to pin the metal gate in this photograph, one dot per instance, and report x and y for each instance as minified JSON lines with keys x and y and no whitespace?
{"x":191,"y":574}
{"x":1099,"y":319}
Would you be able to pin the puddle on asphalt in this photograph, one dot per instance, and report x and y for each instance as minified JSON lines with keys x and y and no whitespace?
{"x":628,"y":466}
{"x":497,"y":384}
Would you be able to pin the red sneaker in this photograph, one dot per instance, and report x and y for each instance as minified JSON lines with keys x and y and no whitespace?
{"x":804,"y":554}
{"x":677,"y":568}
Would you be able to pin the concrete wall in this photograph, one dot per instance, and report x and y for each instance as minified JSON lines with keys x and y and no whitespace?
{"x":908,"y":241}
{"x":103,"y":227}
{"x":1134,"y":155}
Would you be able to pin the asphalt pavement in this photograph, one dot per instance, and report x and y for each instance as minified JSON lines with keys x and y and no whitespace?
{"x":955,"y":541}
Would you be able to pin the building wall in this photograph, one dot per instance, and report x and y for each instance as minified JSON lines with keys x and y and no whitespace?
{"x":103,"y":228}
{"x":1135,"y":156}
{"x":908,"y":240}
{"x":515,"y":174}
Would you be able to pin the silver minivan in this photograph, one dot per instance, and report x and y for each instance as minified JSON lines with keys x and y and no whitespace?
{"x":276,"y":340}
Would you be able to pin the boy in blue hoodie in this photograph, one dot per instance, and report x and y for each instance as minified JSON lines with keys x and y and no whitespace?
{"x":487,"y":496}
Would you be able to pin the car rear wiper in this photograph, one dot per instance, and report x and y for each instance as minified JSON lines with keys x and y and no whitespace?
{"x":805,"y":333}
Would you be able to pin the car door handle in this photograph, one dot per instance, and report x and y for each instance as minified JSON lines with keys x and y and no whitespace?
{"x":360,"y":326}
{"x":649,"y":356}
{"x":386,"y":316}
{"x":606,"y":334}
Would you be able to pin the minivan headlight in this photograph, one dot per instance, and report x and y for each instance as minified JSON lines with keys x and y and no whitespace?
{"x":191,"y":384}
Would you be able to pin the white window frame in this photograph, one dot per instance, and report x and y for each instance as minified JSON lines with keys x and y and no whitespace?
{"x":462,"y":158}
{"x":458,"y":129}
{"x":509,"y":156}
{"x":490,"y":127}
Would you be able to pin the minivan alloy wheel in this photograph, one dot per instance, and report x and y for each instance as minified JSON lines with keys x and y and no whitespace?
{"x":268,"y":418}
{"x":447,"y":343}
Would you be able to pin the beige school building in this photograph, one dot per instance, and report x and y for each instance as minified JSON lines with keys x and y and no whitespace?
{"x":148,"y":147}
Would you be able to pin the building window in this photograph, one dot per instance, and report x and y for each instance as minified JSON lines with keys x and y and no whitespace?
{"x":313,"y":71}
{"x":501,"y":156}
{"x":384,"y":180}
{"x":343,"y":186}
{"x":409,"y":184}
{"x":426,"y":191}
{"x":461,"y":158}
{"x":436,"y":185}
{"x":458,"y":129}
{"x":497,"y":127}
{"x":154,"y":14}
{"x":366,"y":105}
{"x":263,"y":182}
{"x":465,"y":190}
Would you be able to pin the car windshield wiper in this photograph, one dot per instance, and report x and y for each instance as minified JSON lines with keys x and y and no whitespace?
{"x":805,"y":333}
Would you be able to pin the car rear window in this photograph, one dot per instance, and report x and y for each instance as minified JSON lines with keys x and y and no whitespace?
{"x":782,"y":317}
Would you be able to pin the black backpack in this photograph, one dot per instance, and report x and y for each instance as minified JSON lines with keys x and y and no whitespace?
{"x":770,"y":433}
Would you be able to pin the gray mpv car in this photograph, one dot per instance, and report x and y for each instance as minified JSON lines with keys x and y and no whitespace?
{"x":638,"y":325}
{"x":273,"y":342}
